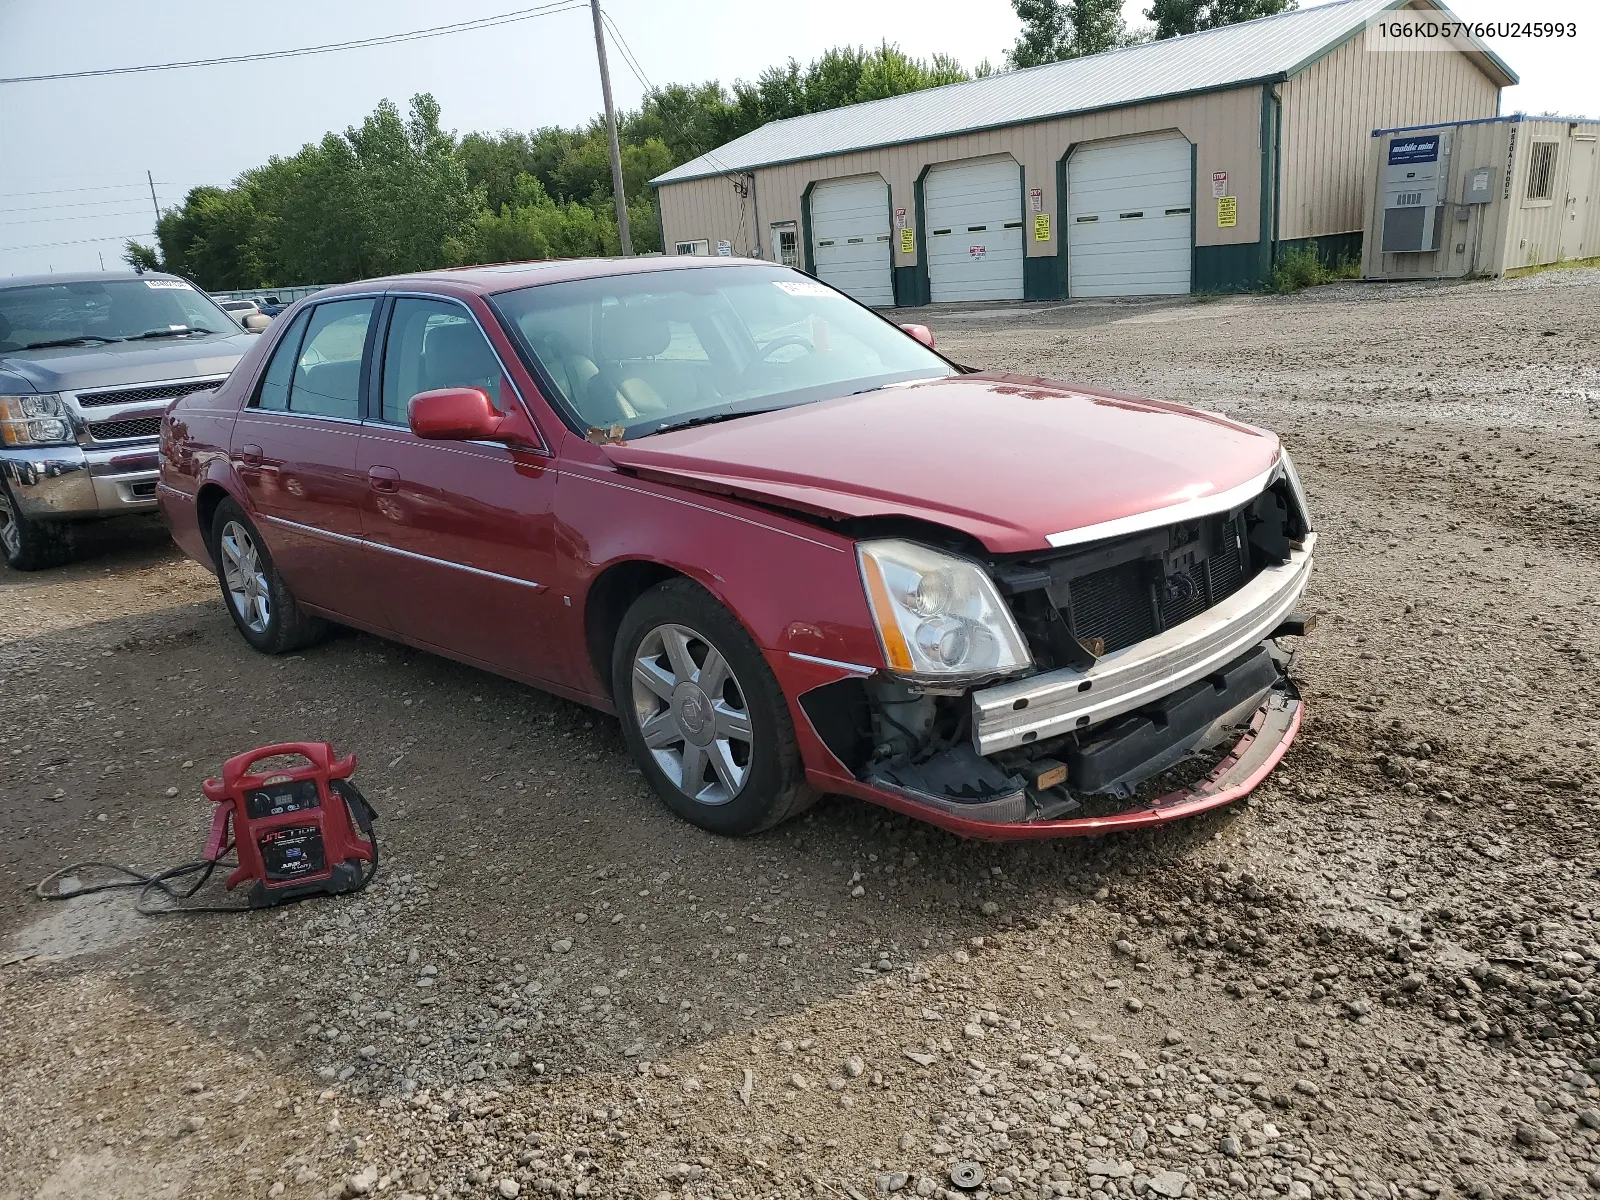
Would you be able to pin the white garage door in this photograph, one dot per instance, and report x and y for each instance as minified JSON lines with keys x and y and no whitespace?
{"x":850,"y":237}
{"x":973,"y":214}
{"x":1128,"y":220}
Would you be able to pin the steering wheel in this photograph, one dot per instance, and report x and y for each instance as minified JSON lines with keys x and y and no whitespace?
{"x":778,"y":343}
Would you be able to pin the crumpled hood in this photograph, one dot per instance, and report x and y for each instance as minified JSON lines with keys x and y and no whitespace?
{"x":1010,"y":460}
{"x":72,"y":368}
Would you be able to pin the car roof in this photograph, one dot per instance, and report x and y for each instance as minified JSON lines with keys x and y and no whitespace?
{"x":12,"y":281}
{"x":506,"y":277}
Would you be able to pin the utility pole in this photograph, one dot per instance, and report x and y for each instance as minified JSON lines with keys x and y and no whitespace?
{"x":611,"y":134}
{"x":153,"y":203}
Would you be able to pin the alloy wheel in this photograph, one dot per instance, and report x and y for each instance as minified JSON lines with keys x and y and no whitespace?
{"x":10,"y":531}
{"x":245,"y":578}
{"x":692,"y":714}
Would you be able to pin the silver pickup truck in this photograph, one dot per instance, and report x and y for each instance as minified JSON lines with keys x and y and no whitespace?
{"x":88,"y":364}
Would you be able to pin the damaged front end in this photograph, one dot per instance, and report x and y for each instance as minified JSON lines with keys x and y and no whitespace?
{"x":1160,"y":684}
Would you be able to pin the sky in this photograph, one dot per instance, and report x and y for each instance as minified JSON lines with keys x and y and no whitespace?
{"x":74,"y":153}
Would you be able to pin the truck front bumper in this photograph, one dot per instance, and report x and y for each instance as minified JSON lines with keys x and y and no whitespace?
{"x":72,"y":483}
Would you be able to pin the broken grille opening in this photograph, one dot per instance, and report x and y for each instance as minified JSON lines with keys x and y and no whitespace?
{"x":1074,"y":606}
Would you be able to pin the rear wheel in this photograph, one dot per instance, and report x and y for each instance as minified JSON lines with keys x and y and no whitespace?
{"x":259,"y":601}
{"x":30,"y":545}
{"x":703,"y":714}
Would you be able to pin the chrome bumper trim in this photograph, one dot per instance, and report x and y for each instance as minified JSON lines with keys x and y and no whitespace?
{"x":72,"y":482}
{"x":1041,"y":706}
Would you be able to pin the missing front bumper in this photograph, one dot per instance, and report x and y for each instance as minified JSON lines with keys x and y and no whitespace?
{"x":1271,"y":730}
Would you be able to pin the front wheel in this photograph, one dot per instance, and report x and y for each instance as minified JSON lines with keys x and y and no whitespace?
{"x":703,"y":713}
{"x":30,"y":545}
{"x":259,"y":601}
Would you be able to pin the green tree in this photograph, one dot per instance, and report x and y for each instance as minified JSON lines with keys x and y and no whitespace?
{"x":1175,"y":17}
{"x":1053,"y":30}
{"x":493,"y":162}
{"x":141,"y":257}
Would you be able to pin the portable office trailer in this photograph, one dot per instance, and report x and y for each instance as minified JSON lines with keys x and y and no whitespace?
{"x":1482,"y":197}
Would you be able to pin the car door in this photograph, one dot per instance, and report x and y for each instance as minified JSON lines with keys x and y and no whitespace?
{"x":295,"y":450}
{"x":462,"y":532}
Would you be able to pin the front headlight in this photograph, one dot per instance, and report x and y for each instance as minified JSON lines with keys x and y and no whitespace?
{"x":35,"y":420}
{"x":1295,"y":487}
{"x":938,"y":615}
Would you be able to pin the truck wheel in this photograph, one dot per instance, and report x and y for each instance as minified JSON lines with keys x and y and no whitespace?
{"x":31,"y":545}
{"x":703,"y":714}
{"x":258,"y":600}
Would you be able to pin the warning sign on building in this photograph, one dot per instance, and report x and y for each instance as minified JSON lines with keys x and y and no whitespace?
{"x":1036,"y":199}
{"x":1227,"y":212}
{"x":977,"y":252}
{"x":908,"y":242}
{"x":1041,"y":227}
{"x":1219,"y":184}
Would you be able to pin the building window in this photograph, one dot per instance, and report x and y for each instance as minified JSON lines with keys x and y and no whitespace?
{"x":701,"y":247}
{"x":1542,"y":171}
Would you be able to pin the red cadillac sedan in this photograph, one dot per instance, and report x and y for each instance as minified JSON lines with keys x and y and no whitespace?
{"x":793,"y":548}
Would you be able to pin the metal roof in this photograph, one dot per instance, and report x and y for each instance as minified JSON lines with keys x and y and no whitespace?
{"x":1252,"y":51}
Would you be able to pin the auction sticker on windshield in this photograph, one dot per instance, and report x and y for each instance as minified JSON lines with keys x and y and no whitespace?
{"x":802,"y":287}
{"x":177,"y":284}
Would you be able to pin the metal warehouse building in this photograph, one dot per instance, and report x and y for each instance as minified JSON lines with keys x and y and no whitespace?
{"x":1169,"y":167}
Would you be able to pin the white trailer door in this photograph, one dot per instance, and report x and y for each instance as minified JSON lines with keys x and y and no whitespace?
{"x":1128,"y":219}
{"x":972,"y":212}
{"x":850,"y":237}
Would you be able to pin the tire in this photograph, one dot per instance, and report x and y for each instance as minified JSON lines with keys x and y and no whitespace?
{"x":255,"y":595}
{"x":30,"y":545}
{"x":735,"y":734}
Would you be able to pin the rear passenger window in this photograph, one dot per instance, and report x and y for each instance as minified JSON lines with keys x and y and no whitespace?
{"x":327,"y":373}
{"x":434,"y":344}
{"x":274,"y":393}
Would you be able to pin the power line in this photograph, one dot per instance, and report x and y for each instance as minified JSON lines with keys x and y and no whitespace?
{"x":62,"y":191}
{"x":627,"y":53}
{"x":126,"y":212}
{"x":52,"y":206}
{"x":118,"y":237}
{"x":523,"y":14}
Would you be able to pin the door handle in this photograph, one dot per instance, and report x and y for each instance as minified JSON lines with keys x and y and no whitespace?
{"x":383,"y":479}
{"x":250,"y":455}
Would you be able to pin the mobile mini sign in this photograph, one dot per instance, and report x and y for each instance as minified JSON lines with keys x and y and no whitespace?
{"x":1414,"y":150}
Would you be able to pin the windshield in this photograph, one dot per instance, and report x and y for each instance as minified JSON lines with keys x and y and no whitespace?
{"x":662,"y":349}
{"x":60,"y":313}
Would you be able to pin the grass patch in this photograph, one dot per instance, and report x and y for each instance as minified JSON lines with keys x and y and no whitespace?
{"x":1566,"y":264}
{"x":1302,"y":267}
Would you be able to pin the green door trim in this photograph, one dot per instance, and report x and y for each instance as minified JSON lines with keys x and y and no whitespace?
{"x":805,"y":230}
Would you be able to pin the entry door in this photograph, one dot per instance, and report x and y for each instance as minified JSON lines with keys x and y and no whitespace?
{"x":850,"y":237}
{"x":461,"y":532}
{"x":1129,"y":228}
{"x":1583,"y":178}
{"x":295,"y":449}
{"x":973,"y":215}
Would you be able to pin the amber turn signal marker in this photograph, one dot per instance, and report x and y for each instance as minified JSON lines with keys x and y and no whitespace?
{"x":894,"y":643}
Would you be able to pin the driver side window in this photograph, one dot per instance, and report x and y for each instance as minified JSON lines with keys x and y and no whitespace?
{"x":434,"y":344}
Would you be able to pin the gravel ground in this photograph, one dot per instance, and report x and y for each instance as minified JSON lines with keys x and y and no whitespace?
{"x":1375,"y":978}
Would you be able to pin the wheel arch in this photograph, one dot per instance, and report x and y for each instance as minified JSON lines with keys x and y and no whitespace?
{"x":206,"y":502}
{"x":607,"y":601}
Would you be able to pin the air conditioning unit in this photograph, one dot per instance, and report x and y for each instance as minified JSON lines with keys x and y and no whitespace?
{"x":1415,"y":182}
